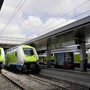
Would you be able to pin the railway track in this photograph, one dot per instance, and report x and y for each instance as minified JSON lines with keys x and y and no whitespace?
{"x":35,"y":82}
{"x":41,"y":82}
{"x":8,"y":84}
{"x":31,"y":82}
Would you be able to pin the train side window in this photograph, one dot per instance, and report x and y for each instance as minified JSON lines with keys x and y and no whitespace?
{"x":0,"y":52}
{"x":15,"y":54}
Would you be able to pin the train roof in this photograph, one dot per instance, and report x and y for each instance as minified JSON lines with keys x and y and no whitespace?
{"x":26,"y":46}
{"x":23,"y":46}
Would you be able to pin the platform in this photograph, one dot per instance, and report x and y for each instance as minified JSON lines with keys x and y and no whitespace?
{"x":73,"y":76}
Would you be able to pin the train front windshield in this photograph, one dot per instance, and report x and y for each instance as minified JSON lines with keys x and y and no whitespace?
{"x":28,"y":51}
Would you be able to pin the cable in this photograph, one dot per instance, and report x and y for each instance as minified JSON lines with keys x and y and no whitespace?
{"x":61,"y":23}
{"x":67,"y":13}
{"x":62,"y":17}
{"x":65,"y":21}
{"x":16,"y":10}
{"x":13,"y":15}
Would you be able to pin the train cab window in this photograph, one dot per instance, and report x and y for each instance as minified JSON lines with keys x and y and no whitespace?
{"x":28,"y":51}
{"x":0,"y":52}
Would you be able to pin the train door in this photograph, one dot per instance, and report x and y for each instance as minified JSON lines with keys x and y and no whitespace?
{"x":64,"y":60}
{"x":59,"y":59}
{"x":69,"y":60}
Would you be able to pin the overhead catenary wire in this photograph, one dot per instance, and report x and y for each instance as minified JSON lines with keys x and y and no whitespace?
{"x":70,"y":11}
{"x":64,"y":21}
{"x":64,"y":16}
{"x":19,"y":6}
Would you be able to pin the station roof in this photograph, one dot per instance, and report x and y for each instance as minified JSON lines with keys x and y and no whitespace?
{"x":73,"y":26}
{"x":77,"y":28}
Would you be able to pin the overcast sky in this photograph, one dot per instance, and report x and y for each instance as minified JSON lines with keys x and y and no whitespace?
{"x":35,"y":17}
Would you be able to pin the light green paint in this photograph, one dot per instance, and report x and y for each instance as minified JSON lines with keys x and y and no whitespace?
{"x":76,"y":58}
{"x":12,"y":57}
{"x":0,"y":56}
{"x":27,"y":58}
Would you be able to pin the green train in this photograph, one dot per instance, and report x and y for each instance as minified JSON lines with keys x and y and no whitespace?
{"x":2,"y":58}
{"x":23,"y":58}
{"x":65,"y":59}
{"x":43,"y":59}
